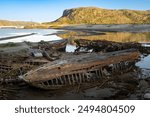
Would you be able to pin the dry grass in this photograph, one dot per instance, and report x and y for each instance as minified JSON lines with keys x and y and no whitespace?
{"x":16,"y":23}
{"x":92,"y":15}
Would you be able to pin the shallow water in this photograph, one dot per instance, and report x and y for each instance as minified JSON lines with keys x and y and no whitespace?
{"x":39,"y":35}
{"x":110,"y":36}
{"x":127,"y":37}
{"x":144,"y":63}
{"x":14,"y":32}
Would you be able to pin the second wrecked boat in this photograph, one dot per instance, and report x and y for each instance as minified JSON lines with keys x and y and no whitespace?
{"x":77,"y":69}
{"x":18,"y":58}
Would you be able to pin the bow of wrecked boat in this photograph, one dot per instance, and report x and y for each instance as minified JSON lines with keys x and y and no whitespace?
{"x":78,"y":69}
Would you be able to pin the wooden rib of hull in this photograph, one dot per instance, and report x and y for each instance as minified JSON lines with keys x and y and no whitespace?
{"x":78,"y":69}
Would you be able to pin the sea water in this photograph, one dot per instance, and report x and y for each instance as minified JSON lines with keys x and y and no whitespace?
{"x":39,"y":35}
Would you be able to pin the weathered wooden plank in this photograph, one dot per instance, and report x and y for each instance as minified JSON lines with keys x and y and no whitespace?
{"x":79,"y":64}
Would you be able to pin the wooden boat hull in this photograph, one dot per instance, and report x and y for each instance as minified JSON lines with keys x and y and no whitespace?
{"x":60,"y":45}
{"x":78,"y":69}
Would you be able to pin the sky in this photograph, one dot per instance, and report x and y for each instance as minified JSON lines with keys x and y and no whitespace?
{"x":50,"y":10}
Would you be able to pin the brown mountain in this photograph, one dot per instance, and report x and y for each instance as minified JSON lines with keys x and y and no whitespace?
{"x":93,"y":15}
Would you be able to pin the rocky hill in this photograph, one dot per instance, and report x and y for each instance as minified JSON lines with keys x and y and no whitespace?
{"x":93,"y":15}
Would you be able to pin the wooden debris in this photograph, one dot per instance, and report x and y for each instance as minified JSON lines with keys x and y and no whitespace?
{"x":108,"y":46}
{"x":14,"y":64}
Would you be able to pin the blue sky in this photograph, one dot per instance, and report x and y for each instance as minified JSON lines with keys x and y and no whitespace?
{"x":49,"y":10}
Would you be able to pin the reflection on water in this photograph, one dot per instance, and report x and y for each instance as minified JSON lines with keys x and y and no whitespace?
{"x":144,"y":67}
{"x":144,"y":63}
{"x":117,"y":36}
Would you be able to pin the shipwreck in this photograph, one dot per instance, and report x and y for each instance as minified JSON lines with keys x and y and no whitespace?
{"x":27,"y":55}
{"x":78,"y":69}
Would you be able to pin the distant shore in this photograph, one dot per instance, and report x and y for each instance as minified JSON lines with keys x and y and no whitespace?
{"x":111,"y":28}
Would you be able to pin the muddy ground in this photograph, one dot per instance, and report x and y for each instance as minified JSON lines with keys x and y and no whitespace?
{"x":124,"y":86}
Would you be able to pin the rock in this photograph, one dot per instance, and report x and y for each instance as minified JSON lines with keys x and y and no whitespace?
{"x":143,"y":85}
{"x":133,"y":97}
{"x":147,"y":90}
{"x":147,"y":96}
{"x":55,"y":54}
{"x":67,"y":12}
{"x":100,"y":93}
{"x":148,"y":79}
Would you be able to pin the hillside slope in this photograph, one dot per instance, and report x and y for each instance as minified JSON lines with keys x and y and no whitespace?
{"x":15,"y":23}
{"x":93,"y":15}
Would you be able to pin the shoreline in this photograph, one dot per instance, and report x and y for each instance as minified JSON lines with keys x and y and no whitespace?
{"x":133,"y":28}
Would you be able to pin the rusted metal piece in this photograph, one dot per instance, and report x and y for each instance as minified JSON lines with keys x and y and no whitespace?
{"x":78,"y":69}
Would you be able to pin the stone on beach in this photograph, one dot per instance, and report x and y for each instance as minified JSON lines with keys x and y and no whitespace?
{"x":147,"y":96}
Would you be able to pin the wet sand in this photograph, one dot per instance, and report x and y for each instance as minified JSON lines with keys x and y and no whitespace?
{"x":111,"y":28}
